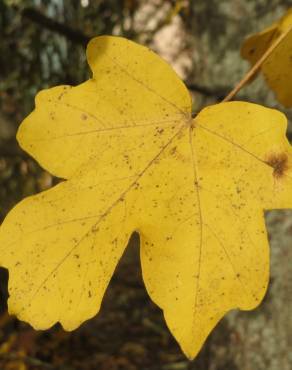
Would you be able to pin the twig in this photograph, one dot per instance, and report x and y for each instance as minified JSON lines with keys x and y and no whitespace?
{"x":52,"y":25}
{"x":256,"y":67}
{"x":204,"y":90}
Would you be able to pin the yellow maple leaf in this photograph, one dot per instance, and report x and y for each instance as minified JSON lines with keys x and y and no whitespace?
{"x":277,"y":68}
{"x":135,"y":159}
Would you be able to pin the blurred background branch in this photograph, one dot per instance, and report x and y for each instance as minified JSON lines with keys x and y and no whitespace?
{"x":46,"y":22}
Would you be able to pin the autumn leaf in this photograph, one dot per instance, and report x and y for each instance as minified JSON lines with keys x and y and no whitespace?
{"x":134,"y":159}
{"x":278,"y":65}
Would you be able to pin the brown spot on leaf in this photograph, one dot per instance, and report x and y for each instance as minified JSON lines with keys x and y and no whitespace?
{"x":279,"y":162}
{"x":252,"y":51}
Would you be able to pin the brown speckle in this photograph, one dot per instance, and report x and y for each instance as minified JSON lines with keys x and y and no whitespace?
{"x":252,"y":51}
{"x":173,"y":150}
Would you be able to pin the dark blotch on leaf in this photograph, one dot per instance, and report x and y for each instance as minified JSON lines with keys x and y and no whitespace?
{"x":279,"y":162}
{"x":252,"y":51}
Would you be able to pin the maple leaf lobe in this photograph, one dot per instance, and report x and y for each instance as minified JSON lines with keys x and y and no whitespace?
{"x":277,"y":67}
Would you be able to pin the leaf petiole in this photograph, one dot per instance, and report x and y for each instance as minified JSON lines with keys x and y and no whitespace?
{"x":256,"y":67}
